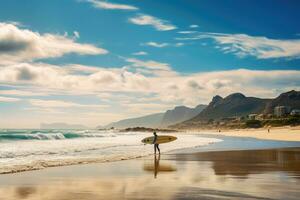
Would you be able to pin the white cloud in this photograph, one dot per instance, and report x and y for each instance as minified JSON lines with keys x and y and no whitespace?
{"x":146,"y":77}
{"x":62,"y":104}
{"x":14,"y":92}
{"x":18,"y":44}
{"x":68,"y":79}
{"x":155,"y":44}
{"x":151,"y":67}
{"x":162,"y":45}
{"x":81,"y":69}
{"x":187,"y":32}
{"x":158,"y":24}
{"x":133,"y":85}
{"x":260,"y":47}
{"x":179,"y":44}
{"x":102,"y":4}
{"x":140,"y":53}
{"x":150,"y":64}
{"x":194,"y":26}
{"x":8,"y":99}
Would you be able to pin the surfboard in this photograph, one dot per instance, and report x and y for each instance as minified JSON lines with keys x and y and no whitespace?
{"x":160,"y":139}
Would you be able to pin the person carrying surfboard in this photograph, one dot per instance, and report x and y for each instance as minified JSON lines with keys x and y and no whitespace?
{"x":155,"y":144}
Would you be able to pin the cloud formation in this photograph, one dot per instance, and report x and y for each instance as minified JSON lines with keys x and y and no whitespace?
{"x":101,"y":4}
{"x":147,"y":20}
{"x":151,"y":67}
{"x":149,"y":77}
{"x":186,"y":32}
{"x":155,"y":44}
{"x":162,"y":45}
{"x":82,"y":79}
{"x":17,"y":44}
{"x":62,"y":104}
{"x":245,"y":45}
{"x":194,"y":26}
{"x":8,"y":99}
{"x":141,"y":87}
{"x":140,"y":53}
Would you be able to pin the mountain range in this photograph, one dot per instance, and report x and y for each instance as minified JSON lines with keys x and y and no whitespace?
{"x":159,"y":120}
{"x":234,"y":105}
{"x":238,"y":105}
{"x":290,"y":99}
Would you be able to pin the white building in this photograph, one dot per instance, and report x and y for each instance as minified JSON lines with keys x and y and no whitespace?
{"x":280,"y":111}
{"x":295,"y":112}
{"x":252,"y":116}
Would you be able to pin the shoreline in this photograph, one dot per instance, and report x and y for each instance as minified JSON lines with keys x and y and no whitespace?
{"x":69,"y":152}
{"x":228,"y":143}
{"x":291,"y":134}
{"x":203,"y":175}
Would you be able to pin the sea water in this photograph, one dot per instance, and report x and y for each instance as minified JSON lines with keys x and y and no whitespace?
{"x":22,"y":150}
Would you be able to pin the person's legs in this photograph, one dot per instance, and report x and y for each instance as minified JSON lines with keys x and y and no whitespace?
{"x":158,"y":148}
{"x":154,"y":148}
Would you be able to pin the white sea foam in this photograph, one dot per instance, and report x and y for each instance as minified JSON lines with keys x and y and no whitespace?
{"x":33,"y":154}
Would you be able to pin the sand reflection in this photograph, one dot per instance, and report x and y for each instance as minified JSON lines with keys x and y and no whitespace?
{"x":253,"y":174}
{"x":247,"y":162}
{"x":157,"y":167}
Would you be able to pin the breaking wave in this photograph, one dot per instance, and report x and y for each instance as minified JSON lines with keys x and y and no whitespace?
{"x":49,"y":134}
{"x":23,"y":150}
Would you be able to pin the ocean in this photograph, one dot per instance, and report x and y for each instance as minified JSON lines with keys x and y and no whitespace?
{"x":23,"y":150}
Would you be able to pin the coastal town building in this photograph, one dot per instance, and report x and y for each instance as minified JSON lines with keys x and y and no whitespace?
{"x":280,"y":111}
{"x":260,"y":117}
{"x":295,"y":112}
{"x":252,"y":116}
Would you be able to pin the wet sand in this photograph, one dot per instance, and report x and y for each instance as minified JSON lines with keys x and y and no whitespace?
{"x":239,"y":174}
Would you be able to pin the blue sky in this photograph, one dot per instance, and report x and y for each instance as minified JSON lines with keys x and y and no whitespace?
{"x":106,"y":60}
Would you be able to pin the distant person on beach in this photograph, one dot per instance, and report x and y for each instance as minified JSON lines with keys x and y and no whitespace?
{"x":155,"y":144}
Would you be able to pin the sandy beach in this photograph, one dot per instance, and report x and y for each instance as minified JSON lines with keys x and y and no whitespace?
{"x":237,"y":168}
{"x":278,"y":133}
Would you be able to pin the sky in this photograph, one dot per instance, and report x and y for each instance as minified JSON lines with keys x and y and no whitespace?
{"x":93,"y":62}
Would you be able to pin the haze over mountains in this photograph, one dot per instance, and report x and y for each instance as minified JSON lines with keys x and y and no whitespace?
{"x":61,"y":126}
{"x":148,"y":121}
{"x":180,"y":114}
{"x":160,"y":120}
{"x":234,"y":105}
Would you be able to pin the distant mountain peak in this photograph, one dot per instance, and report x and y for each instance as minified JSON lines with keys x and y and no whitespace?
{"x":235,"y":104}
{"x":180,"y":114}
{"x":236,"y":96}
{"x":290,"y":99}
{"x":170,"y":117}
{"x":291,"y":94}
{"x":216,"y":99}
{"x":181,"y":107}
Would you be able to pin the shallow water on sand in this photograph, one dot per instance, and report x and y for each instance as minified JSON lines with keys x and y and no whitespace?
{"x":23,"y":150}
{"x":243,"y":174}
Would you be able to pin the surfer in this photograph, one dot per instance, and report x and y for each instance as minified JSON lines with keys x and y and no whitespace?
{"x":155,"y":144}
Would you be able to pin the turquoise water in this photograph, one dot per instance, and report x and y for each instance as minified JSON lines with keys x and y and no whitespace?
{"x":24,"y":134}
{"x":23,"y":150}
